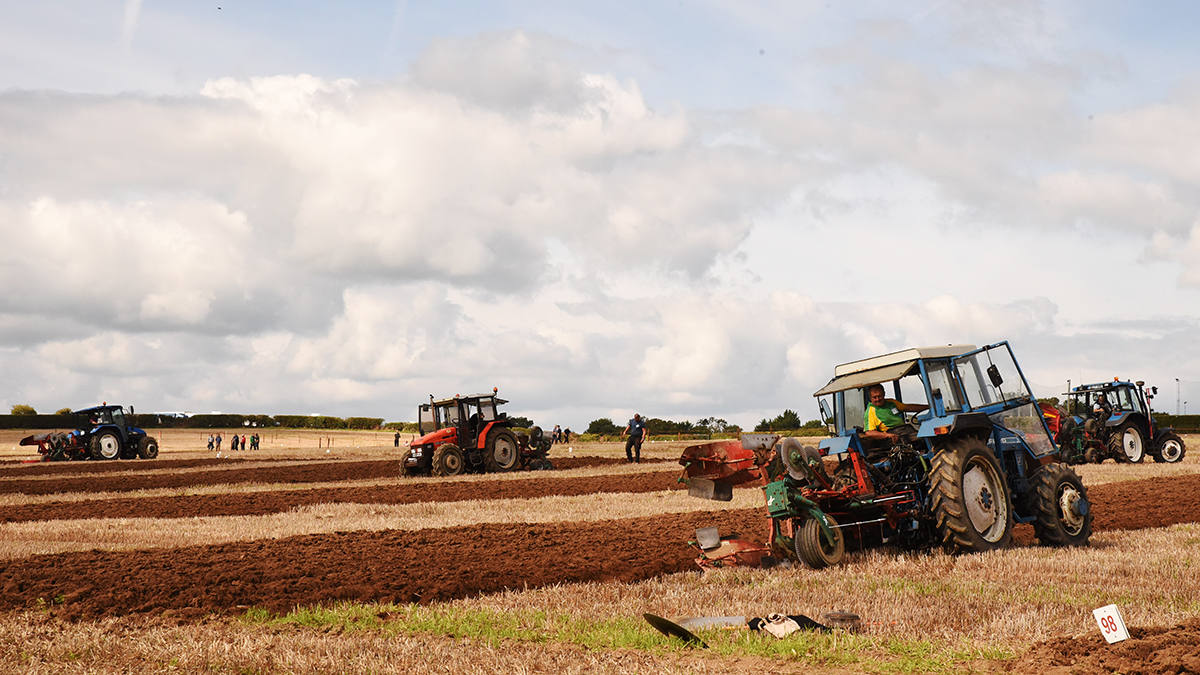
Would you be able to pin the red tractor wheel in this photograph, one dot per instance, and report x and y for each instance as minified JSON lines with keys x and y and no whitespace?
{"x":503,"y":453}
{"x":447,"y":461}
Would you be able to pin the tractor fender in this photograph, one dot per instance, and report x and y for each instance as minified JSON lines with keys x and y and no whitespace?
{"x":481,"y":442}
{"x":955,"y":425}
{"x":1162,"y":431}
{"x":1117,"y":419}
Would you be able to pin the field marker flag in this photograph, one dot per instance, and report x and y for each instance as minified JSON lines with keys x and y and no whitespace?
{"x":1112,"y":626}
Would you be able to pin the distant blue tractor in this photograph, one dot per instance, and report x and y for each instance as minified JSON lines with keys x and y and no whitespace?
{"x":958,"y":474}
{"x":1113,"y":420}
{"x":100,"y":433}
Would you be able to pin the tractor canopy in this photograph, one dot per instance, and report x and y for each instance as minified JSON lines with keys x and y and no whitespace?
{"x":440,"y":420}
{"x":102,"y":415}
{"x":962,"y":386}
{"x":1123,"y":399}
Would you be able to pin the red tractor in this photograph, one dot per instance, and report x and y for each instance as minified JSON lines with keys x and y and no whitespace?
{"x":468,"y":434}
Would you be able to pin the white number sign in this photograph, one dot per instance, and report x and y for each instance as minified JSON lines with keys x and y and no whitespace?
{"x":1112,"y":626}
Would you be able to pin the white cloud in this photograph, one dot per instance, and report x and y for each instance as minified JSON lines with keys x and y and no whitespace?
{"x":505,"y":217}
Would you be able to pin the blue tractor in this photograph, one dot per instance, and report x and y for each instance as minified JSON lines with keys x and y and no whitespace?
{"x":101,"y":433}
{"x":1113,"y":420}
{"x":971,"y":458}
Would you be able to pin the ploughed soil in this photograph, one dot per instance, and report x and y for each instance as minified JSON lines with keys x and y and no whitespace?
{"x":1147,"y":651}
{"x":398,"y":565}
{"x":130,"y":475}
{"x":539,"y":484}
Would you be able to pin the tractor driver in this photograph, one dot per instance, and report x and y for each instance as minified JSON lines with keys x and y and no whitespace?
{"x":883,"y":414}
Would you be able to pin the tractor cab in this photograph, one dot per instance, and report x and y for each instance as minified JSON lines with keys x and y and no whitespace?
{"x":957,"y":389}
{"x":462,"y":419}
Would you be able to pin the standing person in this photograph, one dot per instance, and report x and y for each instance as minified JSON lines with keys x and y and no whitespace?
{"x":243,"y":441}
{"x":636,"y":429}
{"x":557,"y":434}
{"x":233,"y":443}
{"x":218,"y":441}
{"x":567,"y":435}
{"x":397,"y":440}
{"x":210,"y":441}
{"x":254,"y":441}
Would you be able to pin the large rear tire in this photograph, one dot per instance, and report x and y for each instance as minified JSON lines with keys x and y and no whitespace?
{"x":447,"y":461}
{"x":1127,"y":444}
{"x":106,"y":446}
{"x":1170,"y":449}
{"x":148,"y":447}
{"x":813,"y":549}
{"x":503,"y":453}
{"x":971,"y":503}
{"x":1059,"y":500}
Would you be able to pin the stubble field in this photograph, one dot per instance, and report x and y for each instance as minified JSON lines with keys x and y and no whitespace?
{"x":312,"y":555}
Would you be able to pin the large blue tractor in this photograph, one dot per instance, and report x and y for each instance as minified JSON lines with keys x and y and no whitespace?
{"x":976,"y":459}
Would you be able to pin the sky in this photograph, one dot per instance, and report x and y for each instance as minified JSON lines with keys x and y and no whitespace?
{"x":685,"y":209}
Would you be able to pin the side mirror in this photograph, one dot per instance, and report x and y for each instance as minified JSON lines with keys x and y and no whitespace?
{"x":826,"y":414}
{"x":994,"y":375}
{"x":131,"y":413}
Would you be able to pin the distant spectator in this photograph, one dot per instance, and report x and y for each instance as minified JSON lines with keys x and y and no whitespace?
{"x":397,"y":440}
{"x":210,"y":441}
{"x":566,"y":435}
{"x":243,"y":441}
{"x":636,"y":429}
{"x":233,"y":443}
{"x":254,"y":441}
{"x":557,"y":434}
{"x":218,"y":441}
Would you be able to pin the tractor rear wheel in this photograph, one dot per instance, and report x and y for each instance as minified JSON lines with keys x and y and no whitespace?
{"x":971,"y":503}
{"x":147,"y":448}
{"x":1170,"y":449}
{"x":447,"y":461}
{"x":502,"y":452}
{"x":1059,"y":500}
{"x":1127,"y":444}
{"x":106,"y":446}
{"x":814,"y":549}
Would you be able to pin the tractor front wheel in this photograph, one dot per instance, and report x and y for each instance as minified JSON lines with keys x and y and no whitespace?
{"x":503,"y":453}
{"x":1170,"y":449}
{"x":1127,"y":444}
{"x":814,"y":549}
{"x":970,"y":497}
{"x":147,"y":448}
{"x":447,"y":461}
{"x":106,"y":446}
{"x":1059,"y":500}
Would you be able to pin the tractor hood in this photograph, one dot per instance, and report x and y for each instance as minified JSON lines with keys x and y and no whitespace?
{"x":443,"y":435}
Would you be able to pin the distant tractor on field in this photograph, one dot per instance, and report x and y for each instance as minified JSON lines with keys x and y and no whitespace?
{"x":1112,"y":420}
{"x":100,"y":433}
{"x":468,"y":434}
